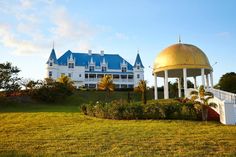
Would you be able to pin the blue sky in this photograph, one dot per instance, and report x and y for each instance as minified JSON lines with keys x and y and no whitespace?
{"x":28,"y":29}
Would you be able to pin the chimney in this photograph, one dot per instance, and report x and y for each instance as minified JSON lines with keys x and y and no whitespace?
{"x":89,"y":52}
{"x":102,"y":52}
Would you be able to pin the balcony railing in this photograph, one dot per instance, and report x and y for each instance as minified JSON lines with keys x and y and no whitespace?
{"x":114,"y":80}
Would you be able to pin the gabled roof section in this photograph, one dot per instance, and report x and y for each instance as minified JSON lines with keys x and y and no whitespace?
{"x":113,"y":61}
{"x":138,"y":61}
{"x":53,"y":57}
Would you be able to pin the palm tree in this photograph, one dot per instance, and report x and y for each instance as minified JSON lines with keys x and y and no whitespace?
{"x":65,"y":80}
{"x":106,"y":84}
{"x":142,"y":88}
{"x":201,"y":99}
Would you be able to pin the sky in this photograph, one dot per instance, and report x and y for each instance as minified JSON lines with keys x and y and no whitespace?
{"x":28,"y":29}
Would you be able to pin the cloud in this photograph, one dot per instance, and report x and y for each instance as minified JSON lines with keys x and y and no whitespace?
{"x":19,"y":46}
{"x":223,"y":34}
{"x":121,"y":36}
{"x":26,"y":3}
{"x":68,"y":29}
{"x":32,"y":34}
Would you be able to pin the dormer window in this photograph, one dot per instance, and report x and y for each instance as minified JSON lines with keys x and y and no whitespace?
{"x":91,"y":68}
{"x":123,"y":69}
{"x":104,"y":69}
{"x":71,"y":65}
{"x":50,"y":64}
{"x":138,"y":67}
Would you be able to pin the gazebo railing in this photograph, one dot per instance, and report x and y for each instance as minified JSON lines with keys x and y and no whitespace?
{"x":223,"y":95}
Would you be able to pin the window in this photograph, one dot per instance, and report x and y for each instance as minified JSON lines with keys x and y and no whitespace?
{"x":123,"y":69}
{"x":138,"y":67}
{"x":138,"y":76}
{"x":117,"y":86}
{"x":91,"y":68}
{"x":69,"y":75}
{"x":50,"y":64}
{"x":104,"y":69}
{"x":79,"y":75}
{"x":71,"y":65}
{"x":92,"y":85}
{"x":50,"y":74}
{"x":130,"y":77}
{"x":123,"y":86}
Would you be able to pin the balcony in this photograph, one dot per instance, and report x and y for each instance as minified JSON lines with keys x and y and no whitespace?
{"x":95,"y":80}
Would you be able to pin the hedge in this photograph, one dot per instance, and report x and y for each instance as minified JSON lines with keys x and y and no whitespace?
{"x":167,"y":109}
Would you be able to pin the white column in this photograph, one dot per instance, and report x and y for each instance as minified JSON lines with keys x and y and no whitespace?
{"x":207,"y":81}
{"x":195,"y":82}
{"x":185,"y":81}
{"x":179,"y":87}
{"x":166,"y":89}
{"x":211,"y":79}
{"x":203,"y":79}
{"x":155,"y":86}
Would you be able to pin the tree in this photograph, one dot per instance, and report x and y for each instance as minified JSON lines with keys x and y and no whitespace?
{"x":51,"y":91}
{"x":30,"y":85}
{"x":142,"y":88}
{"x":201,"y":98}
{"x":9,"y":80}
{"x":106,"y":84}
{"x":227,"y":82}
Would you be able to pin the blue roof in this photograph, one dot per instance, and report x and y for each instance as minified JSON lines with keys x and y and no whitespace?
{"x":138,"y":61}
{"x":53,"y":57}
{"x":82,"y":59}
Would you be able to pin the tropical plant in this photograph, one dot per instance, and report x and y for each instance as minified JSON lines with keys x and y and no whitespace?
{"x":201,"y":100}
{"x":142,"y":88}
{"x":106,"y":84}
{"x":65,"y":80}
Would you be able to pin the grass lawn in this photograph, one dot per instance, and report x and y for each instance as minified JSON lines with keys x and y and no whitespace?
{"x":73,"y":134}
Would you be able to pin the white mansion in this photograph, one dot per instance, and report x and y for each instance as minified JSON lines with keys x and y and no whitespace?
{"x":86,"y":69}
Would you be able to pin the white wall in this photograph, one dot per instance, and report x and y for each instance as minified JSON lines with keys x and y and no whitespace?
{"x":139,"y":72}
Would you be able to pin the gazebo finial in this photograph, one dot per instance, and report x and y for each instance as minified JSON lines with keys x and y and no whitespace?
{"x":179,"y":39}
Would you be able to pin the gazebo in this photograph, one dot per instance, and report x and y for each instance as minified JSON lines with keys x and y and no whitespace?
{"x":182,"y":61}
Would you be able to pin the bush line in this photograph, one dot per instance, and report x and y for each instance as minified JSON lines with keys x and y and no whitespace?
{"x":168,"y":109}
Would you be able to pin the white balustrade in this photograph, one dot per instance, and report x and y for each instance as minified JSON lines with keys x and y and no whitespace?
{"x":223,"y":95}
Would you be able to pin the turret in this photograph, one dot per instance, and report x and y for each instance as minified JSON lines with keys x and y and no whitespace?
{"x":52,"y":64}
{"x":138,"y":70}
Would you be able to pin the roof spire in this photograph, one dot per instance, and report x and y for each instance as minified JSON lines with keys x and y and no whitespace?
{"x":138,"y":50}
{"x":138,"y":61}
{"x":53,"y":44}
{"x":179,"y":39}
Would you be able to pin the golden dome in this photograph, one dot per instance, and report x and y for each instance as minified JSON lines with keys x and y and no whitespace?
{"x":179,"y":56}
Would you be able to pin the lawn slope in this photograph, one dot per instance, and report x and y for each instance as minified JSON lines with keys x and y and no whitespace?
{"x":73,"y":134}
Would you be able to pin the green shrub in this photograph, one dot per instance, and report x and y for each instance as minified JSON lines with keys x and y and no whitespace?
{"x":168,"y":109}
{"x":116,"y":110}
{"x":133,"y":111}
{"x":54,"y":92}
{"x":153,"y":111}
{"x":84,"y":109}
